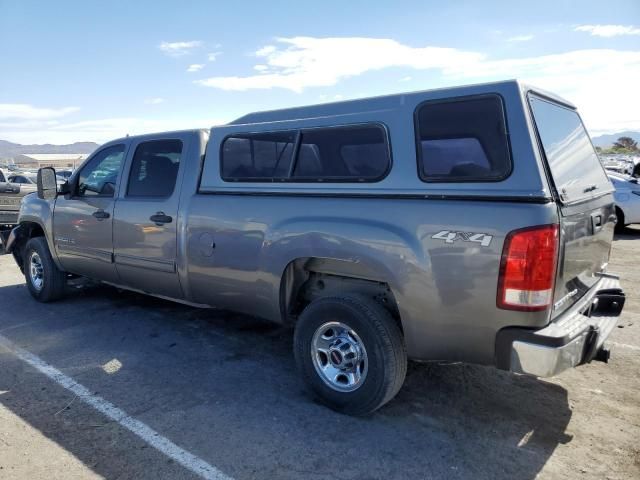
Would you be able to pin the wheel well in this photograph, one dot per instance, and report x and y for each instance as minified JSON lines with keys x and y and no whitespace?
{"x":28,"y":231}
{"x":306,"y":279}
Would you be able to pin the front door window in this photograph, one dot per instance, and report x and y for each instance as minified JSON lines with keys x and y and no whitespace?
{"x":100,"y":176}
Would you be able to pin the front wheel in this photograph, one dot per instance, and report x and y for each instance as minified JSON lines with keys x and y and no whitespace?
{"x":350,"y":353}
{"x":45,"y":281}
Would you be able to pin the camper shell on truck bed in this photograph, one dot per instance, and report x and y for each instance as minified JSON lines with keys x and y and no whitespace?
{"x":468,"y":224}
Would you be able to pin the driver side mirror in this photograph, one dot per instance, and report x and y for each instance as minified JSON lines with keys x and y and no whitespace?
{"x":47,"y":183}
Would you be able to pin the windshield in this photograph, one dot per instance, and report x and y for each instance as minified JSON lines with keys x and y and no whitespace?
{"x":576,"y":170}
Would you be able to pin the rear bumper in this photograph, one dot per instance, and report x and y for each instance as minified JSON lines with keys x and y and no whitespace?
{"x":572,"y":339}
{"x":9,"y":217}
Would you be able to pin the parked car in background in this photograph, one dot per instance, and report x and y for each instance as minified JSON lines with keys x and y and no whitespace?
{"x":11,"y":195}
{"x":627,"y":198}
{"x":618,"y":165}
{"x":27,"y":179}
{"x":64,"y":174}
{"x":621,"y":163}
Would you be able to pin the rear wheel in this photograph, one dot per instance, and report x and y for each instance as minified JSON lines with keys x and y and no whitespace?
{"x":620,"y":222}
{"x":45,"y":281}
{"x":350,"y":352}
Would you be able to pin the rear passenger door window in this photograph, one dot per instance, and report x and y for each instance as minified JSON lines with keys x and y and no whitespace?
{"x":154,"y":169}
{"x":463,"y":140}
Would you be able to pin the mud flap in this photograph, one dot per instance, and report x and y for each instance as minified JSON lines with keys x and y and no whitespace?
{"x":590,"y":345}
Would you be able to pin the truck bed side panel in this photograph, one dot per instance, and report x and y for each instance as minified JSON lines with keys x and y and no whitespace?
{"x":446,"y":291}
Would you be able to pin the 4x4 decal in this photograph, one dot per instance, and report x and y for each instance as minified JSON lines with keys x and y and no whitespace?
{"x":449,"y":237}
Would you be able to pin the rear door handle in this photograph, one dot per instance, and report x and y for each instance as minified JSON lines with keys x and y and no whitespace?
{"x":101,"y":214}
{"x":160,"y":218}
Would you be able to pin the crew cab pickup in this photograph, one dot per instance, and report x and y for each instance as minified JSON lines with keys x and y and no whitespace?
{"x":465,"y":224}
{"x":11,"y":194}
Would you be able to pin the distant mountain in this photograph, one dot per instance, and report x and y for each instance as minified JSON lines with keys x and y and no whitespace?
{"x":10,"y":150}
{"x":608,"y":140}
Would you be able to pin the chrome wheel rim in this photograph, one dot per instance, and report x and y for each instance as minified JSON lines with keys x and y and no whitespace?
{"x":339,"y":356}
{"x":36,"y":271}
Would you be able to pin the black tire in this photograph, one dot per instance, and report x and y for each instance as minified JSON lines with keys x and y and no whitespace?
{"x":380,"y":334}
{"x":53,"y":279}
{"x":620,"y":222}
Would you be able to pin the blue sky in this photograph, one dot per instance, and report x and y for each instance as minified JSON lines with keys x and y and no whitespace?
{"x":90,"y":70}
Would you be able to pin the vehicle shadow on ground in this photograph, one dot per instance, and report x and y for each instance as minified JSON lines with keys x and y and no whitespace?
{"x":224,"y":387}
{"x":629,"y":233}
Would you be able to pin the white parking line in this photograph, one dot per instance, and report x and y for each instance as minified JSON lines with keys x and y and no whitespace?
{"x":624,"y":345}
{"x":146,"y":433}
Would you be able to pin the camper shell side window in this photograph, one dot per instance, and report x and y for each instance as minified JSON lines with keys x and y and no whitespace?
{"x":462,"y":140}
{"x":351,"y":153}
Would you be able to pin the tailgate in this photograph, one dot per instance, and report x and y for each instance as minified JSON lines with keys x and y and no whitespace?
{"x":10,"y":198}
{"x":585,"y":200}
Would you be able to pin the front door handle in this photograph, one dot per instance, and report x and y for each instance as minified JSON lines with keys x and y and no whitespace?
{"x":101,"y":214}
{"x":160,"y":218}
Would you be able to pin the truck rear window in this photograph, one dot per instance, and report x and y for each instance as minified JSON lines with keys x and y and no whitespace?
{"x":575,"y":168}
{"x":462,"y":140}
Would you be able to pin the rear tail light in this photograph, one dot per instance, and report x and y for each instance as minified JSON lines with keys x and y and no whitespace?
{"x":528,"y":269}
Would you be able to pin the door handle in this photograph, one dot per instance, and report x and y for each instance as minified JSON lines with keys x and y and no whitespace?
{"x":101,"y":214}
{"x":160,"y":218}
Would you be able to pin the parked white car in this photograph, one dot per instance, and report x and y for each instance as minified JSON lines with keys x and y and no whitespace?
{"x":620,"y":163}
{"x":627,"y":198}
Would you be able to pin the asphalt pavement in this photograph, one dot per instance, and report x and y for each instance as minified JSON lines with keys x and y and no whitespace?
{"x":112,"y":384}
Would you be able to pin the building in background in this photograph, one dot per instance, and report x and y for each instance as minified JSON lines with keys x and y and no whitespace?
{"x":59,"y":161}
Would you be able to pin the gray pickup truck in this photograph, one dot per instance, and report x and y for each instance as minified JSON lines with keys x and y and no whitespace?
{"x":11,"y":194}
{"x":465,"y":224}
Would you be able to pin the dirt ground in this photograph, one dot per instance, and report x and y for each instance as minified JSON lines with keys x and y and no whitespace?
{"x":224,"y":388}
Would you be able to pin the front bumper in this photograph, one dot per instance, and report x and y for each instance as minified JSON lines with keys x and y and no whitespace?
{"x":571,"y":340}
